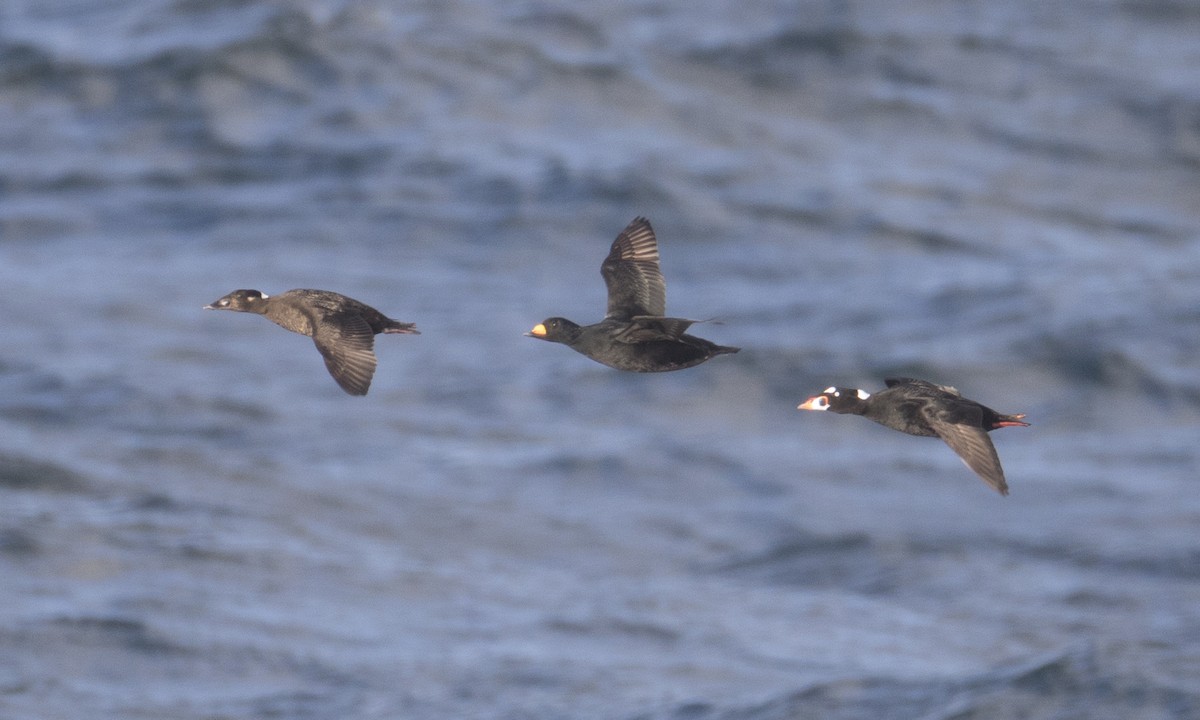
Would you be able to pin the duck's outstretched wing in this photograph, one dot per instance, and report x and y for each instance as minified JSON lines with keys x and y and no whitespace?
{"x":631,"y":272}
{"x":347,"y":343}
{"x":961,"y":427}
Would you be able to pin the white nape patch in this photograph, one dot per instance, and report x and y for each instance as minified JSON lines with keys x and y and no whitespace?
{"x":264,"y":296}
{"x":863,"y":394}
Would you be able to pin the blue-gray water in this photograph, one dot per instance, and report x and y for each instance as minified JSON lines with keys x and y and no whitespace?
{"x":195,"y":522}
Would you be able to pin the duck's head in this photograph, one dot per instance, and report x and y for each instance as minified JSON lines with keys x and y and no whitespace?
{"x":554,"y":329}
{"x":240,"y":301}
{"x":836,"y":399}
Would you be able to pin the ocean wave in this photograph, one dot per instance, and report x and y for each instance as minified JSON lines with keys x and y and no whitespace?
{"x":1077,"y":683}
{"x":27,"y":474}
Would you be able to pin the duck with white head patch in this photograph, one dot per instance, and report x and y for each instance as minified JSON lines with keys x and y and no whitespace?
{"x":342,"y":328}
{"x":919,"y":407}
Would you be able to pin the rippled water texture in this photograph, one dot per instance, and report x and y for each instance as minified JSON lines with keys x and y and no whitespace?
{"x":195,"y":522}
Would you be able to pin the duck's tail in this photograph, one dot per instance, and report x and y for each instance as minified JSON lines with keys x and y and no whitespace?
{"x":401,"y":328}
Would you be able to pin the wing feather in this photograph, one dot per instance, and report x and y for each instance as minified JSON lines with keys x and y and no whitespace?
{"x":647,"y":329}
{"x":347,"y":343}
{"x":631,"y":272}
{"x":972,"y":444}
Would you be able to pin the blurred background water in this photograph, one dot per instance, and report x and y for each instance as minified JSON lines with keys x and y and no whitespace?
{"x":195,"y":522}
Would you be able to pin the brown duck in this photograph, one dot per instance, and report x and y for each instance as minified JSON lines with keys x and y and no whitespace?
{"x":342,"y":328}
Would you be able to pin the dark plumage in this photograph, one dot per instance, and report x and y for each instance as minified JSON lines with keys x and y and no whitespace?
{"x":634,"y":335}
{"x":342,"y":328}
{"x":921,"y":408}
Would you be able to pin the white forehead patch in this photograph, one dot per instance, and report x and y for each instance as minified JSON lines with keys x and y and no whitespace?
{"x":863,"y":394}
{"x":831,"y":390}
